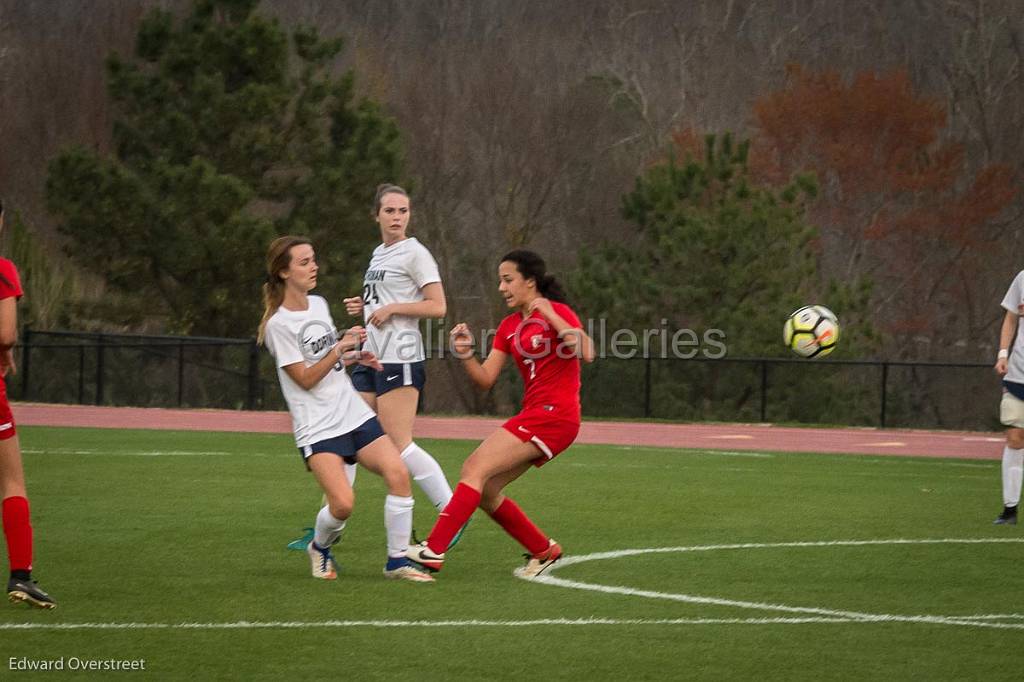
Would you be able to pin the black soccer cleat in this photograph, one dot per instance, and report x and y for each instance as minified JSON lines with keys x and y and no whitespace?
{"x":28,"y":592}
{"x":1008,"y":517}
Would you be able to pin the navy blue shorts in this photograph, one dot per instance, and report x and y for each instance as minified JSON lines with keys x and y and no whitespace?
{"x":346,"y":445}
{"x":368,"y":380}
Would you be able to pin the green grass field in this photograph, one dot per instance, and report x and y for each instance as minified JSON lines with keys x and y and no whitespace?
{"x":171,"y":546}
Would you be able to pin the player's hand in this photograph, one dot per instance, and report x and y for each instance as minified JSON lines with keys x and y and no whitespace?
{"x":541,"y":305}
{"x":363,"y":357}
{"x":354,"y":305}
{"x":380,"y":316}
{"x":352,"y":338}
{"x":7,"y":362}
{"x":1002,"y":366}
{"x":461,"y":340}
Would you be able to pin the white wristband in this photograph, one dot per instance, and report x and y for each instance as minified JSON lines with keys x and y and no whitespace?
{"x":1002,"y":354}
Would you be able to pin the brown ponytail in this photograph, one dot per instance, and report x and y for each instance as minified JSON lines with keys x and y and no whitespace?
{"x":532,"y":266}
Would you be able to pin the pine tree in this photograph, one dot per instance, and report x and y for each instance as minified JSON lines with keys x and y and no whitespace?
{"x":228,"y":132}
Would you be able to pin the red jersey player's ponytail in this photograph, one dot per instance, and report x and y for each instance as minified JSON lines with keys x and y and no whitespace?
{"x":532,"y":266}
{"x":279,"y":257}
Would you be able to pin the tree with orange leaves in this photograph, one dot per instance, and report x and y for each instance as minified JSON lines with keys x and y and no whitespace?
{"x":899,"y":201}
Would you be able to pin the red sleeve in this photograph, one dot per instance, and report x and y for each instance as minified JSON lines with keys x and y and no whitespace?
{"x":10,"y":283}
{"x":567,"y":314}
{"x":501,"y":340}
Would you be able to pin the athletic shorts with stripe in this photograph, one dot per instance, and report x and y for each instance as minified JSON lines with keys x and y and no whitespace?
{"x":347,"y":445}
{"x":551,"y":429}
{"x":394,"y":375}
{"x":1011,"y":411}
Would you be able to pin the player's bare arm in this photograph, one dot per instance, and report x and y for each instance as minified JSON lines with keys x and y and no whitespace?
{"x":574,"y":338}
{"x":1005,"y":339}
{"x":433,"y":305}
{"x":308,"y":377}
{"x":8,"y":335}
{"x":485,"y":374}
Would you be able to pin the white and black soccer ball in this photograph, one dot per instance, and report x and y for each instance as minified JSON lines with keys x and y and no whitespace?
{"x":811,"y":331}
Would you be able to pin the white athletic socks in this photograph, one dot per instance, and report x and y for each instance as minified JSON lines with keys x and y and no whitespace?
{"x":1013,"y":468}
{"x":427,"y":474}
{"x":350,"y":473}
{"x":398,"y":523}
{"x":327,"y":528}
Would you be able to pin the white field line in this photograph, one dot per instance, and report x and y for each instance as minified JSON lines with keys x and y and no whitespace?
{"x":268,"y":625}
{"x":986,"y":621}
{"x":139,"y":453}
{"x":694,"y":451}
{"x":813,"y":615}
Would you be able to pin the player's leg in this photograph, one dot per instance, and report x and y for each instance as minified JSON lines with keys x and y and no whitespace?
{"x":507,"y":514}
{"x":17,"y":526}
{"x":396,"y":409}
{"x":542,"y":551}
{"x":381,"y":457}
{"x":363,"y":380}
{"x":328,"y":469}
{"x":302,"y":544}
{"x":1011,"y":414}
{"x":501,"y":452}
{"x":1013,"y":474}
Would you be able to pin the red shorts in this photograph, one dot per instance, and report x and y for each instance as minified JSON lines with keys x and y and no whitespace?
{"x":551,"y":430}
{"x":6,"y":418}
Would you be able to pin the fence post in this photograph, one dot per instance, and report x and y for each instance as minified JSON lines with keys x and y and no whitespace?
{"x":181,"y":371}
{"x":647,"y":385}
{"x":81,"y":375}
{"x":26,"y":353}
{"x":100,"y":342}
{"x":764,"y":391}
{"x":254,"y":374}
{"x":885,"y":380}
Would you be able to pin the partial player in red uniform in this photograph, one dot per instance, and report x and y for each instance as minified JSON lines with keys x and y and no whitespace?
{"x":545,"y":339}
{"x":16,"y":521}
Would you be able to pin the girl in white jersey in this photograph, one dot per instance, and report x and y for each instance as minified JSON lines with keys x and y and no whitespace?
{"x":332,"y":424}
{"x":402,"y":284}
{"x":1010,"y":366}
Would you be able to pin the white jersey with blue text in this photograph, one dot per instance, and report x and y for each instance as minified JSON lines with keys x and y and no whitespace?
{"x":332,"y":407}
{"x":397,"y":274}
{"x":1014,"y":303}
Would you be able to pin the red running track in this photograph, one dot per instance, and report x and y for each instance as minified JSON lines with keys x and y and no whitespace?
{"x":764,"y":437}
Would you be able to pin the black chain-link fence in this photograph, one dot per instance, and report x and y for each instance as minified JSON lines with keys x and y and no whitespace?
{"x":170,"y":371}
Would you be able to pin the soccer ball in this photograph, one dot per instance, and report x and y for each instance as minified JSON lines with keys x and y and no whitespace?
{"x":811,"y":331}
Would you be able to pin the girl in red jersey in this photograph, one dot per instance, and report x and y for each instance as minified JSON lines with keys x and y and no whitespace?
{"x":16,"y":521}
{"x":545,"y":339}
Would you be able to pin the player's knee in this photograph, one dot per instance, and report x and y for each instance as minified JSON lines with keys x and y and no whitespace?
{"x":395,"y":475}
{"x":1015,"y":438}
{"x":490,"y":499}
{"x":341,"y":511}
{"x":341,"y":506}
{"x":472,"y":473}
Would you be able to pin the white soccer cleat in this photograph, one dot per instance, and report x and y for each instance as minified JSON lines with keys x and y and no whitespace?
{"x":322,"y":561}
{"x":425,"y":557}
{"x":538,"y":563}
